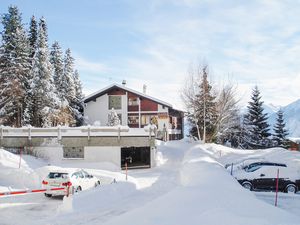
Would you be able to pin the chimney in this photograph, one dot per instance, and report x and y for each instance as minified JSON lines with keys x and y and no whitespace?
{"x":124,"y":82}
{"x":144,"y":88}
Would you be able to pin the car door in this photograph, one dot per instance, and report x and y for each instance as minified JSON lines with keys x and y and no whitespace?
{"x":87,"y":180}
{"x":266,"y":177}
{"x":81,"y":180}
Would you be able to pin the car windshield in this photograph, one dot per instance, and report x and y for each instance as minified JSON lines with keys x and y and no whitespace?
{"x":57,"y":175}
{"x":252,"y":168}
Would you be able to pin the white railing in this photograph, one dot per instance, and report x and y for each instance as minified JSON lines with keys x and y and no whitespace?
{"x":86,"y":131}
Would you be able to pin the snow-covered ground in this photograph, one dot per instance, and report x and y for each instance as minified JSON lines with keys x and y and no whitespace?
{"x":189,"y":186}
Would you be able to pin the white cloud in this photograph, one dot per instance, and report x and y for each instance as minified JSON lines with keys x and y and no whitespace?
{"x":258,"y":42}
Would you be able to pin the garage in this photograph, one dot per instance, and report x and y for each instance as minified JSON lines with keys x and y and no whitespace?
{"x":136,"y":157}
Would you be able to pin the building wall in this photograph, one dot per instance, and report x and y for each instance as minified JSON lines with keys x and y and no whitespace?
{"x":148,"y":105}
{"x":97,"y":110}
{"x":103,"y":154}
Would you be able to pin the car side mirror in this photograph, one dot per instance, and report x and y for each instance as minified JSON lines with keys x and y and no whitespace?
{"x":262,"y":175}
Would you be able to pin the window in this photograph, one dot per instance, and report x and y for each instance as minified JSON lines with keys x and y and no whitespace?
{"x":133,"y":101}
{"x":133,"y":119}
{"x":146,"y":119}
{"x":73,"y":152}
{"x":149,"y":119}
{"x":114,"y":102}
{"x":57,"y":175}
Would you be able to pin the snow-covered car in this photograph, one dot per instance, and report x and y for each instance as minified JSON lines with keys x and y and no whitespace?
{"x":74,"y":181}
{"x":263,"y":175}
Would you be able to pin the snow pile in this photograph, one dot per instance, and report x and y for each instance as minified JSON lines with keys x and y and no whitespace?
{"x":191,"y":186}
{"x":208,"y":195}
{"x":101,"y":197}
{"x":11,"y":176}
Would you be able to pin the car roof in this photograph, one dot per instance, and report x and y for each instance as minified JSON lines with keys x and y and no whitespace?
{"x":269,"y":163}
{"x":69,"y":171}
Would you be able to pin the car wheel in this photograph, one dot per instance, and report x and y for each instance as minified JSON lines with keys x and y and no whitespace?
{"x":78,"y":189}
{"x":247,"y":185}
{"x":291,"y":188}
{"x":48,"y":195}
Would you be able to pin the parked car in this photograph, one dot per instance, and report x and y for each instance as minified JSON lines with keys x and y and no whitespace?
{"x":262,"y":176}
{"x":74,"y":181}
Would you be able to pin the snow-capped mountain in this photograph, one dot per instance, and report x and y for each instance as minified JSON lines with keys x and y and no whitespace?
{"x":291,"y":114}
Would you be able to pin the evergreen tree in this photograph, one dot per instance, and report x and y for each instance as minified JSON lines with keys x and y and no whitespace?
{"x":46,"y":102}
{"x":256,"y":133}
{"x":56,"y":59}
{"x":78,"y":103}
{"x":68,"y":86}
{"x":205,"y":108}
{"x":33,"y":33}
{"x":43,"y":24}
{"x":14,"y":69}
{"x":113,"y":118}
{"x":280,"y":133}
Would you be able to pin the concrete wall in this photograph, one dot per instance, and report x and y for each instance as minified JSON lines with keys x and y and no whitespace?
{"x":53,"y":154}
{"x":103,"y":154}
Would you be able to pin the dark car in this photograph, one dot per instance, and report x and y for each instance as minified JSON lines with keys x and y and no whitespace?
{"x":263,"y":175}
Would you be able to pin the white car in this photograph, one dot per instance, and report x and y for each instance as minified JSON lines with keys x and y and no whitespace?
{"x":70,"y":182}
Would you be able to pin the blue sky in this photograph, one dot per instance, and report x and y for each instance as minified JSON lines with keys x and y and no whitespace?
{"x":154,"y":43}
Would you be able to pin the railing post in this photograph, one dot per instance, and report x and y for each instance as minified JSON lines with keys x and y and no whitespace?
{"x":89,"y":132}
{"x":1,"y":131}
{"x":58,"y":133}
{"x":119,"y":133}
{"x":29,"y":133}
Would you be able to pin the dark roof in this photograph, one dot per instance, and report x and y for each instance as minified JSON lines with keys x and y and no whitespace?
{"x":113,"y":86}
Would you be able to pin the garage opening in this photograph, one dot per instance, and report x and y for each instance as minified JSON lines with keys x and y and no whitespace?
{"x":136,"y":157}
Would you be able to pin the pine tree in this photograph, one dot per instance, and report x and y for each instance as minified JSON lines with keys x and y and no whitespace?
{"x":205,"y":108}
{"x":46,"y":103}
{"x":56,"y":59}
{"x":33,"y":33}
{"x":280,"y":133}
{"x":43,"y":24}
{"x":78,"y":104}
{"x":113,"y":118}
{"x":14,"y":69}
{"x":257,"y":133}
{"x":68,"y":86}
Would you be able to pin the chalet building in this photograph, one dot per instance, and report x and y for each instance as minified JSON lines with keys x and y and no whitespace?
{"x":294,"y":144}
{"x":135,"y":109}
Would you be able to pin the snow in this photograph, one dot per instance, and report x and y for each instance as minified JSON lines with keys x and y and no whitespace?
{"x":189,"y":186}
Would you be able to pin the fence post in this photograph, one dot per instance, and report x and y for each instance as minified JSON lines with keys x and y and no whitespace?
{"x":20,"y":157}
{"x":126,"y":169}
{"x":277,"y":181}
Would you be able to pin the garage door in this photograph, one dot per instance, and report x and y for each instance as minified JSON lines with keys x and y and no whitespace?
{"x":136,"y":157}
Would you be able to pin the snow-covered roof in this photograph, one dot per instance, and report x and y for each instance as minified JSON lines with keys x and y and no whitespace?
{"x":294,"y":139}
{"x":123,"y":87}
